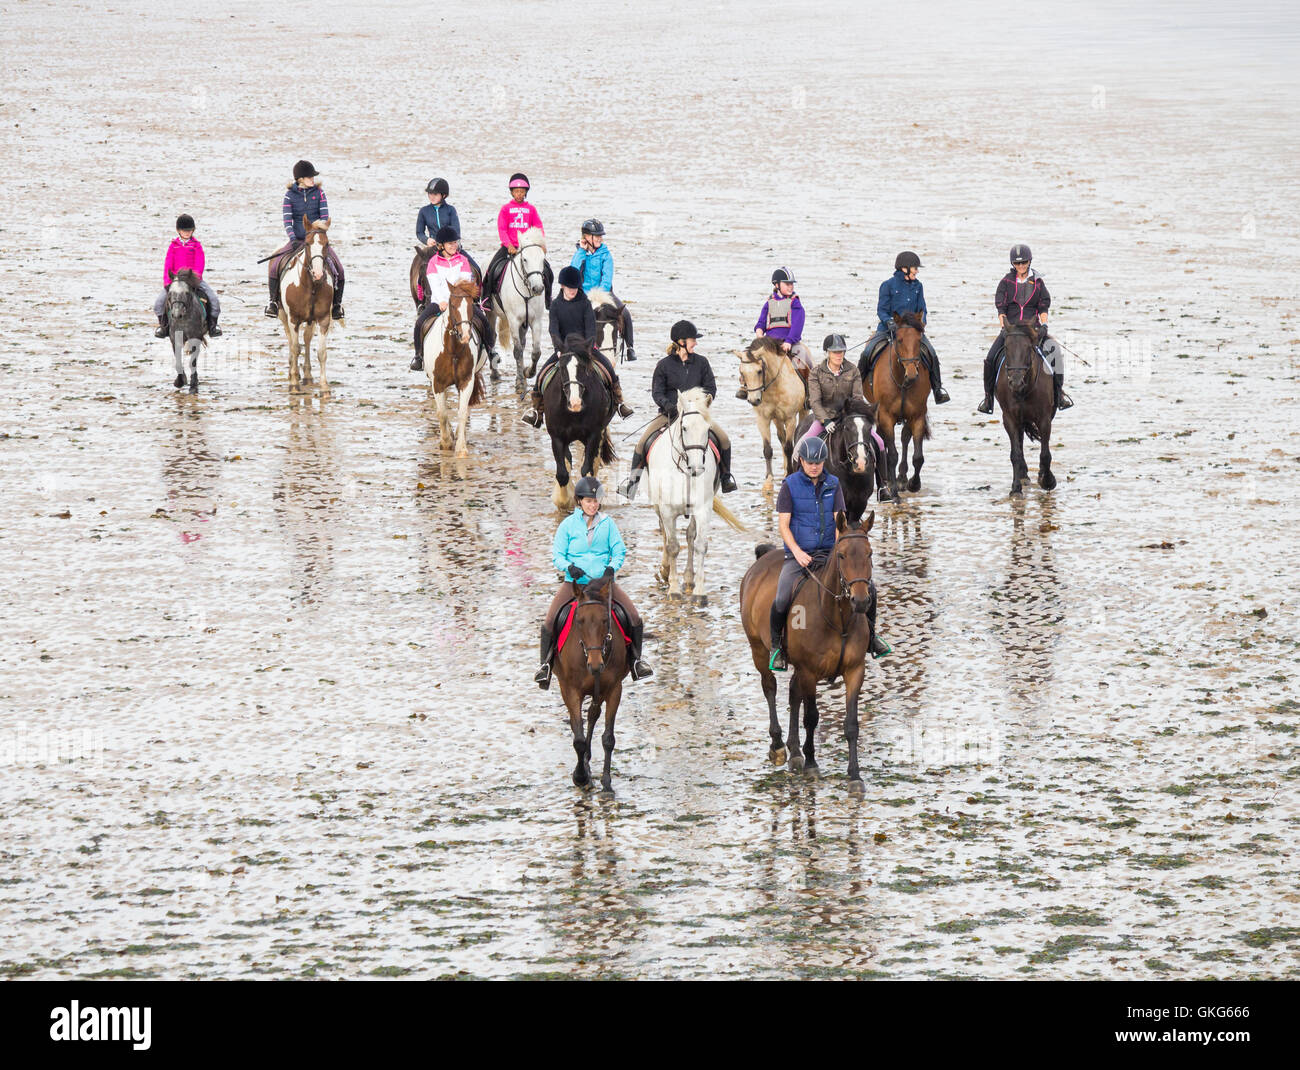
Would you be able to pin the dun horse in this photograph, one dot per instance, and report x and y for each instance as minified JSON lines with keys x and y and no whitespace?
{"x":577,"y":405}
{"x":769,"y":382}
{"x":900,"y":387}
{"x":829,"y":629}
{"x":306,"y":296}
{"x":1027,"y":397}
{"x":459,"y":363}
{"x":187,"y":321}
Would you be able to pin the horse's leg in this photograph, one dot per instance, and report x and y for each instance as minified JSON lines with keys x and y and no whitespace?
{"x":591,"y":452}
{"x":671,"y":548}
{"x":502,"y":333}
{"x":918,"y":452}
{"x":178,"y":355}
{"x":593,"y":715}
{"x":776,"y":749}
{"x":1016,"y":433}
{"x":291,"y":336}
{"x":607,"y":740}
{"x":702,"y":517}
{"x":462,"y":427}
{"x":1045,"y":478}
{"x":573,"y":700}
{"x":535,"y":307}
{"x":688,"y":582}
{"x":792,"y":739}
{"x":560,"y":450}
{"x":765,"y":429}
{"x":787,"y":442}
{"x":308,"y":332}
{"x":810,"y":731}
{"x":891,"y":450}
{"x":322,"y":349}
{"x":852,"y":689}
{"x":904,"y":440}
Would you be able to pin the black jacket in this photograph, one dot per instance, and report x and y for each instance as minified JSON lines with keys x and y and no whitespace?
{"x":673,"y":375}
{"x":572,"y":317}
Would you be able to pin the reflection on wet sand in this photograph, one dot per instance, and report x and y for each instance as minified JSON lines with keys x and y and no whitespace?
{"x":190,"y":469}
{"x":309,"y":500}
{"x":907,"y":610}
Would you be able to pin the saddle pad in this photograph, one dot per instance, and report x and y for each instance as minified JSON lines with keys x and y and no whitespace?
{"x":568,"y":613}
{"x":713,"y":443}
{"x":549,"y":374}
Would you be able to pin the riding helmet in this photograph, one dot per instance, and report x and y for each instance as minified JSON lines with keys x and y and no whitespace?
{"x":906,"y":260}
{"x":834,"y":344}
{"x":587,"y":487}
{"x":446,"y":234}
{"x":813,"y":450}
{"x":438,"y":185}
{"x":593,"y":226}
{"x":518,"y":180}
{"x":303,"y":169}
{"x":782,"y":274}
{"x":185,"y":222}
{"x":682,"y":330}
{"x":570,"y":276}
{"x":1020,"y":254}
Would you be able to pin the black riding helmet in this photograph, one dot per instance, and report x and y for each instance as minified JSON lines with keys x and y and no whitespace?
{"x":782,"y":274}
{"x":438,"y":185}
{"x":304,"y":169}
{"x":835,"y":344}
{"x":905,"y":260}
{"x":1020,"y":254}
{"x":185,"y":221}
{"x":587,"y":487}
{"x":682,"y":330}
{"x":570,"y":276}
{"x":446,"y":234}
{"x":593,"y":226}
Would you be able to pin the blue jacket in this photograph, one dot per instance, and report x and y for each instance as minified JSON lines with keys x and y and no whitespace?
{"x":899,"y":295}
{"x":597,"y":268}
{"x":299,"y":202}
{"x":433,"y":216}
{"x":606,"y":549}
{"x":812,"y":518}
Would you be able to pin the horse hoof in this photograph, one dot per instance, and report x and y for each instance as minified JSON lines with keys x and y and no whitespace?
{"x":700,"y":599}
{"x":579,"y":781}
{"x":856,"y":787}
{"x":914,"y":484}
{"x":796,"y":763}
{"x":194,"y":385}
{"x":776,"y":755}
{"x":462,"y":453}
{"x":812,"y":769}
{"x":179,"y":381}
{"x":605,"y":793}
{"x":1047,"y":482}
{"x":1016,"y":492}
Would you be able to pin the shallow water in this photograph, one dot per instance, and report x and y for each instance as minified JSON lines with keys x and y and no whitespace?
{"x":266,"y":704}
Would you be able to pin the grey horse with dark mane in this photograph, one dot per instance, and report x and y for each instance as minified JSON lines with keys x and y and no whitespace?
{"x":187,"y":321}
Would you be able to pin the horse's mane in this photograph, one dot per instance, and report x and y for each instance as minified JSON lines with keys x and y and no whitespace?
{"x":857,"y":406}
{"x":695,"y":394}
{"x":187,"y":276}
{"x":533,"y":236}
{"x":909,"y":319}
{"x":764,"y":344}
{"x":578,"y":346}
{"x":595,"y":587}
{"x":464,"y":288}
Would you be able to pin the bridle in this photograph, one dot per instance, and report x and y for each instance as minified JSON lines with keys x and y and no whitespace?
{"x":681,"y":450}
{"x":907,"y":362}
{"x":845,"y":592}
{"x":845,"y":457}
{"x":607,"y":646}
{"x":1030,"y":370}
{"x":455,"y":323}
{"x":517,"y":268}
{"x":764,"y":382}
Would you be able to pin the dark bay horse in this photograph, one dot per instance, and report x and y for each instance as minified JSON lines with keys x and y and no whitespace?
{"x":1027,"y":397}
{"x":900,"y":387}
{"x":188,"y":323}
{"x":852,"y":456}
{"x":577,"y":405}
{"x":593,"y":662}
{"x":829,"y":629}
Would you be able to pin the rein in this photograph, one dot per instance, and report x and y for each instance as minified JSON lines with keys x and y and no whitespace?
{"x":764,"y":382}
{"x":845,"y":592}
{"x":517,"y":268}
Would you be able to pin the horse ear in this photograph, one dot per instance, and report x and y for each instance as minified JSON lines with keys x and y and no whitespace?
{"x":898,"y":318}
{"x":323,"y":224}
{"x":869,"y":522}
{"x":841,"y":523}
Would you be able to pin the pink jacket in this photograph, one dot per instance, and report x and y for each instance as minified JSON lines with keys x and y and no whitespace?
{"x":182,"y":254}
{"x":444,"y":271}
{"x":514,"y":219}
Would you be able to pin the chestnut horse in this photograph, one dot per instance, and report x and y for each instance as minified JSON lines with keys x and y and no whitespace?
{"x":900,"y":387}
{"x":593,"y":662}
{"x":1027,"y":398}
{"x":306,"y":297}
{"x":828,"y":634}
{"x":771,"y":383}
{"x":459,"y":362}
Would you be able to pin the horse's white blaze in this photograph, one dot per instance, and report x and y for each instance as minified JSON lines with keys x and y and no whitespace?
{"x":575,"y":393}
{"x":858,"y":457}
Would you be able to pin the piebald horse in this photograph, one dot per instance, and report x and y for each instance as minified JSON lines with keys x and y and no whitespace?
{"x":306,"y":296}
{"x":770,"y":382}
{"x":458,"y":362}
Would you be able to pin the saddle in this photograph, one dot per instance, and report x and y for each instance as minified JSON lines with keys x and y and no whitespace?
{"x":818,"y":560}
{"x":713,"y":443}
{"x":599,"y":365}
{"x":1002,"y":359}
{"x":874,"y":355}
{"x":495,"y":276}
{"x":566,"y":615}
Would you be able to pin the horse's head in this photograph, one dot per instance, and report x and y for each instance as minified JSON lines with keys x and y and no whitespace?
{"x":607,"y":317}
{"x":460,"y":308}
{"x":593,"y":626}
{"x":316,"y":243}
{"x":853,"y":562}
{"x":180,"y":294}
{"x":854,"y":434}
{"x":1019,"y":361}
{"x":576,"y":356}
{"x":532,"y":259}
{"x":908,"y":329}
{"x":693,"y":428}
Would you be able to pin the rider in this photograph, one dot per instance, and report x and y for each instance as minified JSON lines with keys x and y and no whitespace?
{"x":593,"y":258}
{"x":809,"y":506}
{"x":901,"y":293}
{"x":304,"y":202}
{"x":432,"y":218}
{"x":830,"y":387}
{"x":515,"y":217}
{"x":682,"y":369}
{"x":1022,"y":297}
{"x":571,"y":314}
{"x":781,"y":318}
{"x":447,"y":265}
{"x":588,"y":546}
{"x":185,"y":251}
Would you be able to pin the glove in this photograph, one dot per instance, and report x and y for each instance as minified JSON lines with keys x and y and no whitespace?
{"x":670,"y":412}
{"x":575,"y":572}
{"x":829,"y":427}
{"x":609,"y":574}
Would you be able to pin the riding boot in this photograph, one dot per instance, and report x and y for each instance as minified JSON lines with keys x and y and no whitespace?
{"x":777,"y":661}
{"x":886,"y":493}
{"x":724,"y":464}
{"x":533,"y":414}
{"x":936,"y":383}
{"x":336,"y":312}
{"x":986,"y":406}
{"x":628,"y":487}
{"x":213,"y":330}
{"x":624,"y":410}
{"x":161,"y":332}
{"x":273,"y":284}
{"x":640,"y":670}
{"x":877,"y":647}
{"x":1062,"y":398}
{"x":629,"y":353}
{"x":543,"y":675}
{"x":417,"y":361}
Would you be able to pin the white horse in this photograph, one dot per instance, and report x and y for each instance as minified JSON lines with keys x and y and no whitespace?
{"x":683,"y":479}
{"x":519,"y":304}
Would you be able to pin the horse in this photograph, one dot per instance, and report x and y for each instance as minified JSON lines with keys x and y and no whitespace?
{"x":900,"y":386}
{"x":827,"y":636}
{"x":683,"y":481}
{"x":595,"y":665}
{"x":1027,"y":396}
{"x":609,"y":324}
{"x":770,"y":382}
{"x":578,"y":406}
{"x":520,"y":302}
{"x":459,"y":362}
{"x":851,"y":457}
{"x":306,"y":297}
{"x":188,"y":322}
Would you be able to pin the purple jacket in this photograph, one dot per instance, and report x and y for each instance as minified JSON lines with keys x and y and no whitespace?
{"x":790,"y":334}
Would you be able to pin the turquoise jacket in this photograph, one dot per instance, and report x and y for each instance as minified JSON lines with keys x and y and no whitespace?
{"x":597,"y":268}
{"x":605,"y":550}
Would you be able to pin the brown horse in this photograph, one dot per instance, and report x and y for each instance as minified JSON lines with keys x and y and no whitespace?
{"x":459,"y":362}
{"x":593,"y":662}
{"x":900,"y":387}
{"x":772,"y":383}
{"x":306,"y":297}
{"x":827,"y":636}
{"x":1027,"y":397}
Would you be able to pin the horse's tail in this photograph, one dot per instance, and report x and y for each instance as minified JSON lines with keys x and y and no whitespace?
{"x":1030,"y":426}
{"x":476,"y":394}
{"x":607,"y":454}
{"x":727,"y":514}
{"x":925,"y":426}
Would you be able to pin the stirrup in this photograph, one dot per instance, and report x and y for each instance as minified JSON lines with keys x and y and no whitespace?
{"x":161,"y":332}
{"x":1066,"y":402}
{"x":728,"y":483}
{"x":885,"y":650}
{"x":533,"y":417}
{"x":630,"y":354}
{"x":417,"y":363}
{"x":542,"y":678}
{"x":777,"y":662}
{"x":640,"y":670}
{"x":627,"y":488}
{"x":213,"y":330}
{"x":941,"y":395}
{"x":625,"y":410}
{"x":985,"y":406}
{"x":272,"y":309}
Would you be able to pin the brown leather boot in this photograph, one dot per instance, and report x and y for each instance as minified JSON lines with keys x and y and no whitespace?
{"x":624,"y":410}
